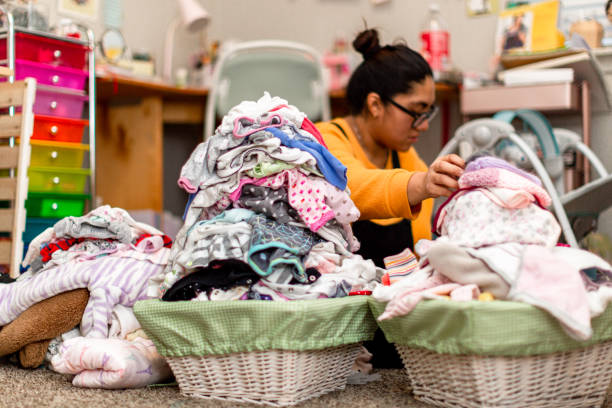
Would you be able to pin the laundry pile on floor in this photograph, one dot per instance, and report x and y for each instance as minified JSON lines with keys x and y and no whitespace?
{"x":268,"y":215}
{"x":86,"y":272}
{"x":496,"y":236}
{"x":268,"y":218}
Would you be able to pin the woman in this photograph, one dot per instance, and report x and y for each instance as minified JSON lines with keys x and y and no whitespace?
{"x":516,"y":34}
{"x":391,"y":98}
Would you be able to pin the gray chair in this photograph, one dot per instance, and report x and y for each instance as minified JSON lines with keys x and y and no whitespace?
{"x":292,"y":71}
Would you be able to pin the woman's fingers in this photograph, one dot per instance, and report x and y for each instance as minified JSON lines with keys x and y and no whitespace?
{"x":443,"y":175}
{"x":456,"y":160}
{"x":442,"y":185}
{"x":451,"y":165}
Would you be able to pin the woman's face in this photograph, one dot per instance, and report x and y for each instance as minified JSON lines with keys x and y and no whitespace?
{"x":396,"y":128}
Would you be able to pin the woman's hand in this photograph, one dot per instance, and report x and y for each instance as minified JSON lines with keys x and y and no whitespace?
{"x":439,"y":180}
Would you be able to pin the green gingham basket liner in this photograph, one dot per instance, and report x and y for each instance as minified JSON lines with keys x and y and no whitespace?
{"x":198,"y":328}
{"x":496,"y":328}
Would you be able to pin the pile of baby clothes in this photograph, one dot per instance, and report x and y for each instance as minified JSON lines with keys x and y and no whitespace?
{"x":109,"y":255}
{"x":497,"y":236}
{"x":268,"y":215}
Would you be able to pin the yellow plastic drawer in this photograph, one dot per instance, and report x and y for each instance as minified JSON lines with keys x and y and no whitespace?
{"x":57,"y":154}
{"x":58,"y":179}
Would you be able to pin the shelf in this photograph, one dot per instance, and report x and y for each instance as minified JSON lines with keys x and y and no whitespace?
{"x":559,"y":97}
{"x":586,"y":68}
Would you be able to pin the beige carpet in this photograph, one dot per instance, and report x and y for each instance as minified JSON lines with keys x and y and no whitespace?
{"x":44,"y":388}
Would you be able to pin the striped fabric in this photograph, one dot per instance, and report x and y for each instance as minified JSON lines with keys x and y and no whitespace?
{"x":399,"y":266}
{"x":111,"y":280}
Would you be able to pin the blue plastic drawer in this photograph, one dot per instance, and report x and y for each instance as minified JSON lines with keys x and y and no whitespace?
{"x":34,"y":226}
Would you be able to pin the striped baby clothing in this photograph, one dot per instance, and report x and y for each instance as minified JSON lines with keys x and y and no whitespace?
{"x":399,"y":266}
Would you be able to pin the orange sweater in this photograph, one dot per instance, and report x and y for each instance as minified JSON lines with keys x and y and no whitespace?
{"x":380,"y":195}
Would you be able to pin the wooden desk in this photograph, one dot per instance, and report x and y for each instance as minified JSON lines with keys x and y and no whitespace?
{"x":131,"y":114}
{"x":129,"y":137}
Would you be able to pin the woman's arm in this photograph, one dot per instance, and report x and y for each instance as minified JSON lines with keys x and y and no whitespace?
{"x":439,"y":180}
{"x":377,"y":193}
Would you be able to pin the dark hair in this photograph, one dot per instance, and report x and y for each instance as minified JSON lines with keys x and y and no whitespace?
{"x":608,"y":4}
{"x":387,"y":70}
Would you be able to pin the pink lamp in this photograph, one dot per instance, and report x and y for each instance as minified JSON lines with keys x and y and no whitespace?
{"x":194,"y":18}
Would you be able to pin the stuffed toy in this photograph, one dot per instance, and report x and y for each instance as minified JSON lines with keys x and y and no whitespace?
{"x":31,"y":332}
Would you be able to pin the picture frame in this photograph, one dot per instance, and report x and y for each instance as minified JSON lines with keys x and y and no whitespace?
{"x":481,"y":7}
{"x":83,"y":10}
{"x":528,"y":29}
{"x":514,"y":31}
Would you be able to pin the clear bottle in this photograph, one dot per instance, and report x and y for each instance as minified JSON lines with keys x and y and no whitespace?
{"x":435,"y":43}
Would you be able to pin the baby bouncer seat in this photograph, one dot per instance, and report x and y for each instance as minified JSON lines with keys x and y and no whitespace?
{"x":541,"y":150}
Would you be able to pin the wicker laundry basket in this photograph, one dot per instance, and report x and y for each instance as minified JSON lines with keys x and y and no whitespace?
{"x":271,"y":377}
{"x":577,"y":378}
{"x":499,"y":354}
{"x":262,"y":352}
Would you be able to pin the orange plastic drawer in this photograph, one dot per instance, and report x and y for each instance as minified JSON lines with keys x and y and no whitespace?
{"x":58,"y":129}
{"x":51,"y":154}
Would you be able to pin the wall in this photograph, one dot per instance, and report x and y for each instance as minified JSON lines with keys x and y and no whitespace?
{"x":314,"y":22}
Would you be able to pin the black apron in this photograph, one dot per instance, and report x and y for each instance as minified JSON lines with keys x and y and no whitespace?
{"x":377,"y":242}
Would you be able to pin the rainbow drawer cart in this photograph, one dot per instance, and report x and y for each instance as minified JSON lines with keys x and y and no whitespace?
{"x":62,"y":165}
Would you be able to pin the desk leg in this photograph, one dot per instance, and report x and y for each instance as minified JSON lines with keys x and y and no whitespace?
{"x":445,"y":122}
{"x":129,"y":154}
{"x":586,"y":126}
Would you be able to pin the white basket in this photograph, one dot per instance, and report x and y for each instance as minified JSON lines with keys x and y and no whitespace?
{"x":271,"y":377}
{"x":578,"y":378}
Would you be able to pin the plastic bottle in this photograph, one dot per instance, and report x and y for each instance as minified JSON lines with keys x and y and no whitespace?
{"x":435,"y":42}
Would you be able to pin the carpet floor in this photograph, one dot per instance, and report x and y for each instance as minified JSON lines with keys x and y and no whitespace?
{"x":24,"y":388}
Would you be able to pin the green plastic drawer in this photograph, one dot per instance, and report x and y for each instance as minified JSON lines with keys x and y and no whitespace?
{"x":55,"y":205}
{"x":58,"y":179}
{"x":51,"y":154}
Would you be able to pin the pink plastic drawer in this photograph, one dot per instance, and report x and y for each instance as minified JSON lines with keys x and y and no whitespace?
{"x":49,"y":101}
{"x":64,"y":77}
{"x":50,"y":51}
{"x":58,"y":129}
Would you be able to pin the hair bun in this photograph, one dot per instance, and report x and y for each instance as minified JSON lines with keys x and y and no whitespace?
{"x":367,"y":44}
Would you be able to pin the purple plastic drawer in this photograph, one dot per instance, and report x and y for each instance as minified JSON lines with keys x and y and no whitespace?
{"x":57,"y":103}
{"x":49,"y":75}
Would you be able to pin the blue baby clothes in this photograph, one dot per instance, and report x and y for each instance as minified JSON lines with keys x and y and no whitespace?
{"x":333,"y":170}
{"x":275,"y":245}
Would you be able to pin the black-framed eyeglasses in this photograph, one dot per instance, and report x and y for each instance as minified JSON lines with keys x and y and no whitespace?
{"x":419,"y":118}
